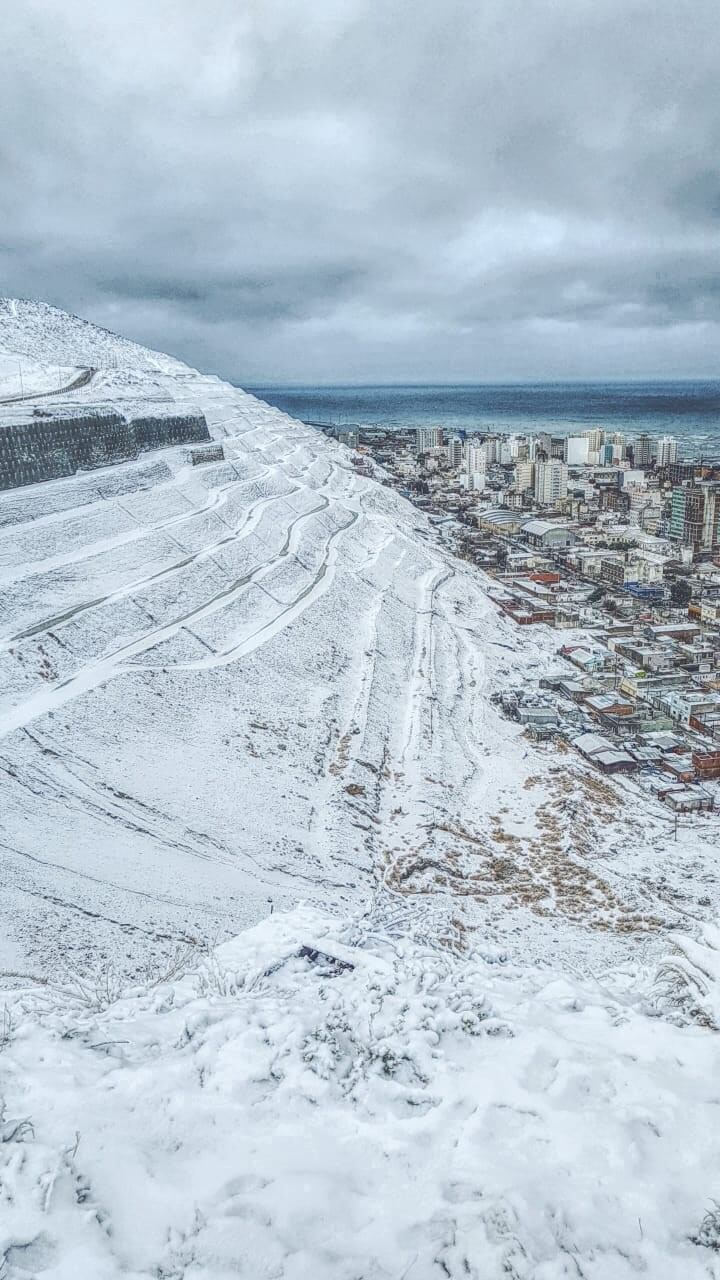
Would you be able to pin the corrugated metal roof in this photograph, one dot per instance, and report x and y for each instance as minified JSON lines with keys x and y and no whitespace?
{"x":539,"y":527}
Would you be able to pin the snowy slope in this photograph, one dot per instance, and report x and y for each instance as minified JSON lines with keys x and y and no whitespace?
{"x":35,"y":331}
{"x":481,"y":1049}
{"x":262,"y":680}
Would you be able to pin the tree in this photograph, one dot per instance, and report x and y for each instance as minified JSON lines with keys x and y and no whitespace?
{"x":680,"y":593}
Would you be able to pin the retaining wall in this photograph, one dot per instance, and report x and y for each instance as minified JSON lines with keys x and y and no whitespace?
{"x":49,"y":448}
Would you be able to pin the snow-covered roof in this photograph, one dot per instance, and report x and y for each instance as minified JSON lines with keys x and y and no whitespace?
{"x":603,"y":701}
{"x":540,"y":527}
{"x":591,"y":743}
{"x":498,"y":516}
{"x":612,"y":757}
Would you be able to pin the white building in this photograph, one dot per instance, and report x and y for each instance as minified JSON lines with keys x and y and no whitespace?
{"x":550,"y":482}
{"x":644,"y":567}
{"x":667,"y":451}
{"x":427,"y":438}
{"x":645,"y":505}
{"x":455,"y":452}
{"x":524,"y":476}
{"x":595,"y":438}
{"x":633,"y":477}
{"x":476,"y":461}
{"x":577,"y":449}
{"x":476,"y":458}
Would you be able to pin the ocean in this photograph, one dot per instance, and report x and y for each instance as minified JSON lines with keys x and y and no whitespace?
{"x":688,"y":410}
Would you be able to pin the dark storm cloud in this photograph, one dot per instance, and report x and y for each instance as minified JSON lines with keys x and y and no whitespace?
{"x":355,"y":190}
{"x":286,"y":295}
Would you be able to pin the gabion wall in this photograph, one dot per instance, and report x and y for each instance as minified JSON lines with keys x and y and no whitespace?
{"x":49,"y":448}
{"x":209,"y":453}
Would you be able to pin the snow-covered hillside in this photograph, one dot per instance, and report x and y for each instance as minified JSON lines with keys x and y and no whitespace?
{"x":37,"y":333}
{"x":258,"y":683}
{"x":261,"y":680}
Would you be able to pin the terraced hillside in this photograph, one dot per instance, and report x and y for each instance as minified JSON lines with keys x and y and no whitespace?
{"x":259,"y":681}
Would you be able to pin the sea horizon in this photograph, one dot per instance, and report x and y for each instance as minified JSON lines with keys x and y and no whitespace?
{"x":487,"y":382}
{"x":688,"y":408}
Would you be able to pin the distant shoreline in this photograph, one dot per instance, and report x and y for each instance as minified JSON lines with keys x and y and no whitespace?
{"x":688,"y":410}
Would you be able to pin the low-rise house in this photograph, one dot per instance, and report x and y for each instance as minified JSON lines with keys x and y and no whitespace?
{"x":691,"y":707}
{"x":541,"y":732}
{"x":591,"y":744}
{"x":652,"y":687}
{"x":681,"y":768}
{"x":707,"y":763}
{"x":676,"y":631}
{"x":610,"y":704}
{"x":525,"y":613}
{"x":615,"y":535}
{"x":698,"y":654}
{"x":644,"y":656}
{"x":542,"y":713}
{"x":668,"y":743}
{"x":710,"y":612}
{"x":575,"y":690}
{"x":646,"y":756}
{"x":707,"y":720}
{"x":614,"y":761}
{"x":586,"y":658}
{"x":536,"y":590}
{"x":685,"y":799}
{"x":648,"y":592}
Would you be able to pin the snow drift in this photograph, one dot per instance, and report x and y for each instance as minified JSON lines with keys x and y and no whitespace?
{"x":324,"y":1099}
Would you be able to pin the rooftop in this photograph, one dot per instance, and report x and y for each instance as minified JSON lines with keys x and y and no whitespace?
{"x":540,"y":527}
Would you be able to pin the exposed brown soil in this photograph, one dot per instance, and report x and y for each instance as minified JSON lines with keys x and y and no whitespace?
{"x":548,"y":871}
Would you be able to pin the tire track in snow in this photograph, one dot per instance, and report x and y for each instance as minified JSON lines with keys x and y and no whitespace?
{"x":330,"y":802}
{"x":287,"y":615}
{"x":407,"y":793}
{"x":95,"y":674}
{"x":244,"y":529}
{"x":421,"y":673}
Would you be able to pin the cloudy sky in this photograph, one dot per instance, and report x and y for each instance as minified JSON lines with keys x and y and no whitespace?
{"x":360,"y":190}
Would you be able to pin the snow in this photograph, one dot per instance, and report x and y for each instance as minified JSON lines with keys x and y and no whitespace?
{"x":37,"y":332}
{"x":418,"y":1114}
{"x":232,"y":689}
{"x":21,"y":378}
